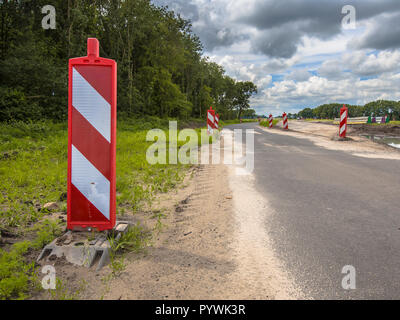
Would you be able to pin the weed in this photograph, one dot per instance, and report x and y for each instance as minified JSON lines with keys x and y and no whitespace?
{"x":136,"y":239}
{"x":46,"y":232}
{"x":266,"y":123}
{"x":16,"y":275}
{"x":61,"y":292}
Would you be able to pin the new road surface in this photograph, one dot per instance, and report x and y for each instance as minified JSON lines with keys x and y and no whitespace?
{"x":329,"y":209}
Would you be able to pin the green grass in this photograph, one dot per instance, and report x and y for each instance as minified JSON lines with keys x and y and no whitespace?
{"x":318,"y":120}
{"x":266,"y":123}
{"x":136,"y":239}
{"x":17,"y":277}
{"x":391,"y":123}
{"x":224,"y":123}
{"x":33,"y":171}
{"x":62,"y":292}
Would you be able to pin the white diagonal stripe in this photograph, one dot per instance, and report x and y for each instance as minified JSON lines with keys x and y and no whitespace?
{"x":344,"y":115}
{"x":90,"y":182}
{"x":342,"y":129}
{"x":210,"y":117}
{"x":91,"y":105}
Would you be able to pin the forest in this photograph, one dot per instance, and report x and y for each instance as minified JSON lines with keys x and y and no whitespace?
{"x":332,"y":110}
{"x":162,"y":70}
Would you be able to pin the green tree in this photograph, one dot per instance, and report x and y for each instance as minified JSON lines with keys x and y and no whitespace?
{"x":244,"y":91}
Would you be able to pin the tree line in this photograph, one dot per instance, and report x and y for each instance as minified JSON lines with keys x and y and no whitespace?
{"x":332,"y":110}
{"x":161,"y":68}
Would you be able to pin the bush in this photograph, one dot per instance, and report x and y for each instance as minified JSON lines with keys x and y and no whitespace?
{"x":14,"y":106}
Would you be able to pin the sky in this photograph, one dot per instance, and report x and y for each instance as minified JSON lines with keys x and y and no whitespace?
{"x":302,"y":53}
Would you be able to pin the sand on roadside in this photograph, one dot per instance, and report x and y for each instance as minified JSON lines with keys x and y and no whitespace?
{"x":324,"y":135}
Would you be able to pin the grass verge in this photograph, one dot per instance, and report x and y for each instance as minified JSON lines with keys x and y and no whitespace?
{"x":33,"y":172}
{"x":266,"y":123}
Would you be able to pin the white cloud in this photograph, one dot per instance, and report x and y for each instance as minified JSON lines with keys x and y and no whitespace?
{"x":291,"y":95}
{"x":299,"y":75}
{"x":372,"y":64}
{"x":298,"y":55}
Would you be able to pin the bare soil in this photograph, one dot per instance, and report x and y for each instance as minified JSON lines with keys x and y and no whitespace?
{"x":386,"y":129}
{"x":323,"y":135}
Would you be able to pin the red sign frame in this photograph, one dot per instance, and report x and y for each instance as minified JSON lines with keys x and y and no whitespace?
{"x":89,"y":145}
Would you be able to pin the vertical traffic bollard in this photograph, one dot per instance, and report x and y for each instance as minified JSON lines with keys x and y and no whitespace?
{"x":210,"y":121}
{"x":344,"y":113}
{"x":92,"y":121}
{"x":285,"y":121}
{"x":217,"y":121}
{"x":270,"y":121}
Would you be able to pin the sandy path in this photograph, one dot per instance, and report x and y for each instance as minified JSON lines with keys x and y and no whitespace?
{"x":190,"y":259}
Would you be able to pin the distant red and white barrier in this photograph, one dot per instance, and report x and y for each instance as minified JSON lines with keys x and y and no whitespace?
{"x":344,"y":113}
{"x":217,"y":121}
{"x":270,"y":120}
{"x":210,"y":121}
{"x":285,"y":121}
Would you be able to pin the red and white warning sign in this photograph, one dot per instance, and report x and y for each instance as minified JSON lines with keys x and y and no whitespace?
{"x":270,"y":121}
{"x":285,"y":121}
{"x":217,"y":121}
{"x":92,"y":114}
{"x":210,"y":121}
{"x":344,"y":113}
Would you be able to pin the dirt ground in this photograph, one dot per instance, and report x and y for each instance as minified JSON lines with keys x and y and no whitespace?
{"x":325,"y":135}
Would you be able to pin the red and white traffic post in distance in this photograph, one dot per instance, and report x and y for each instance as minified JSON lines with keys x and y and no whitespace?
{"x":210,"y":121}
{"x":344,"y":113}
{"x":92,"y":122}
{"x":285,"y":121}
{"x":270,"y":121}
{"x":217,"y":121}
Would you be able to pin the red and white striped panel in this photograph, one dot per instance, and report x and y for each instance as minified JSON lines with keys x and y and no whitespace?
{"x":285,"y":121}
{"x":343,"y":121}
{"x":217,"y":121}
{"x":91,"y":149}
{"x":270,"y":120}
{"x":210,"y":121}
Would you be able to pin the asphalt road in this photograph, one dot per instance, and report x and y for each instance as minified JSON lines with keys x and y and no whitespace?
{"x":331,"y":209}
